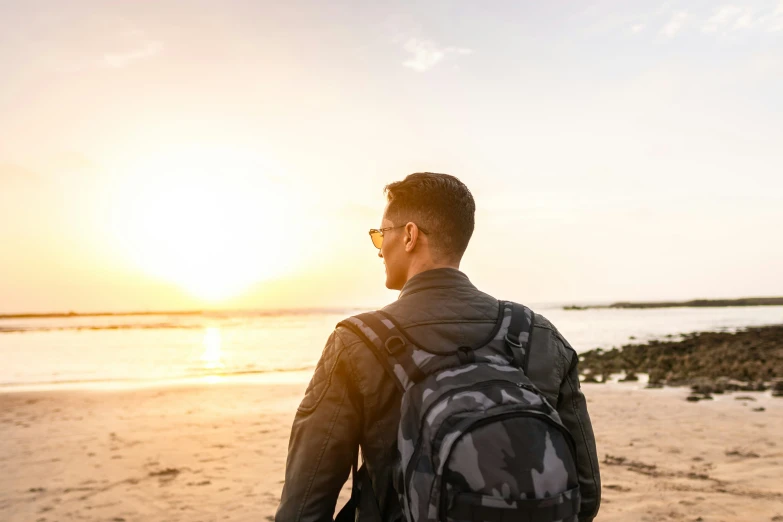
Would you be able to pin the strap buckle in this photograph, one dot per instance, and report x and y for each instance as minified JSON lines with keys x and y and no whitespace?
{"x":393,"y":347}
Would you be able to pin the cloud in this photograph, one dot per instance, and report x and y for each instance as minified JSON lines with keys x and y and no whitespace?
{"x":676,"y":22}
{"x":730,"y":16}
{"x":735,"y":18}
{"x":427,"y":54}
{"x":774,"y":20}
{"x":744,"y":22}
{"x":718,"y":19}
{"x":721,"y":19}
{"x":119,"y":60}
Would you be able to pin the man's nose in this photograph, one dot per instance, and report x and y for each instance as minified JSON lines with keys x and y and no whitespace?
{"x":380,"y":254}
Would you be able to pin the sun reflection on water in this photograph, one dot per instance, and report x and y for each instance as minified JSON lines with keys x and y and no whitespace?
{"x":213,"y":348}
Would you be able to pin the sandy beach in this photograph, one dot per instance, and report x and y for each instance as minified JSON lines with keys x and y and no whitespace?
{"x":217,"y":452}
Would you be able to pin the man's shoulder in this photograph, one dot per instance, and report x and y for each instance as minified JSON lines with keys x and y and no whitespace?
{"x":541,"y":322}
{"x":343,"y":337}
{"x":347,"y":332}
{"x":336,"y":352}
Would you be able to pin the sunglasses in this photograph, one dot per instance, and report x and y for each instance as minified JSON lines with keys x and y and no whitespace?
{"x":376,"y":234}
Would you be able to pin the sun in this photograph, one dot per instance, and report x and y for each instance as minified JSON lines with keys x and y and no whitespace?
{"x":213,"y":221}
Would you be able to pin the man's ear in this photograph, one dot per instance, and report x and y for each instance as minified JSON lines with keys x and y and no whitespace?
{"x":411,"y":237}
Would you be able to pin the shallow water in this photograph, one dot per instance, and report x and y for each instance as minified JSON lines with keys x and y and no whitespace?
{"x":137,"y":350}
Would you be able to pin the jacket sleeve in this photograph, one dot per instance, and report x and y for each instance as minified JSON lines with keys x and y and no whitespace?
{"x":324,"y":439}
{"x":572,"y":407}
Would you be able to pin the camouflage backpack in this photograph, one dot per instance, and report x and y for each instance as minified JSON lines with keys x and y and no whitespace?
{"x":477,"y":440}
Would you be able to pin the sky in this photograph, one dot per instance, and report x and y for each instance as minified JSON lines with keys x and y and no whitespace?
{"x":180,"y":155}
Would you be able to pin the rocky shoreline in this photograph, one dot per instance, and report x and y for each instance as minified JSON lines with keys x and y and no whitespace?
{"x":708,"y":362}
{"x":694,"y":303}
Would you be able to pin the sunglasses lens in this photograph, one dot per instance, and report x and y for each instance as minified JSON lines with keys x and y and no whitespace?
{"x":377,"y":239}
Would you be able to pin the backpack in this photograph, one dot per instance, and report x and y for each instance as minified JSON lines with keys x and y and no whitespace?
{"x":476,"y":440}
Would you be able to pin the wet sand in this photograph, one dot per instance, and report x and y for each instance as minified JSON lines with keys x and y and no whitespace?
{"x":217,"y":452}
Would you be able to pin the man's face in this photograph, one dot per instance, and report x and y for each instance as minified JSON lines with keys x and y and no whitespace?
{"x":393,"y":254}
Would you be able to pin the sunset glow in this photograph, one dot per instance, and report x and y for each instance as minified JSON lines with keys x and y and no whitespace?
{"x":214,"y":221}
{"x":179,"y":157}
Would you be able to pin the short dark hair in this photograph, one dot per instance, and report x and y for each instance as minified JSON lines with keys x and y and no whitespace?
{"x":440,"y":204}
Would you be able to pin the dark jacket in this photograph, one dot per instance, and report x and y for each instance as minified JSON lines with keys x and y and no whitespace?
{"x":352,"y":402}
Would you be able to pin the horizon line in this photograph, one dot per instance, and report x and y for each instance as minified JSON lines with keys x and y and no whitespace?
{"x":315,"y":310}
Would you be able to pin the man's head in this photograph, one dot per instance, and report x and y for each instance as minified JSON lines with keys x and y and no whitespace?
{"x":432,"y":216}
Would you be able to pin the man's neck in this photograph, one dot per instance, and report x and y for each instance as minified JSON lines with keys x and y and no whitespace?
{"x":418,"y":268}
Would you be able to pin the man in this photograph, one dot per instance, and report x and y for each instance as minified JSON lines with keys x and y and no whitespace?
{"x":352,"y":402}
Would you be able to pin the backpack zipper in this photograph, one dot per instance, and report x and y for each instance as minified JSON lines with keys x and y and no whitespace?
{"x":497,"y":418}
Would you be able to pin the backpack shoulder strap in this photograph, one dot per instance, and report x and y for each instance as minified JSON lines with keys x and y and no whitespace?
{"x":390,"y":346}
{"x":520,"y":332}
{"x":363,"y":501}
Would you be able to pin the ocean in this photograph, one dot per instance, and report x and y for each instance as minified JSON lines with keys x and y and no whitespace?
{"x":151,"y":349}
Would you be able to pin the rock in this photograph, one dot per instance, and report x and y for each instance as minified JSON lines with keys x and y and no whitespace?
{"x":714,"y":361}
{"x":742,"y":453}
{"x":705,"y":386}
{"x":777,"y":387}
{"x":728,"y":384}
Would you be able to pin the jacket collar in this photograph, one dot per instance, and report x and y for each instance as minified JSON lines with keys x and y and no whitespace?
{"x":435,"y":278}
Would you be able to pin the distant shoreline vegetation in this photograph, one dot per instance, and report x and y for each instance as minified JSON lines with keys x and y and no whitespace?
{"x":211,"y":313}
{"x":696,"y":303}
